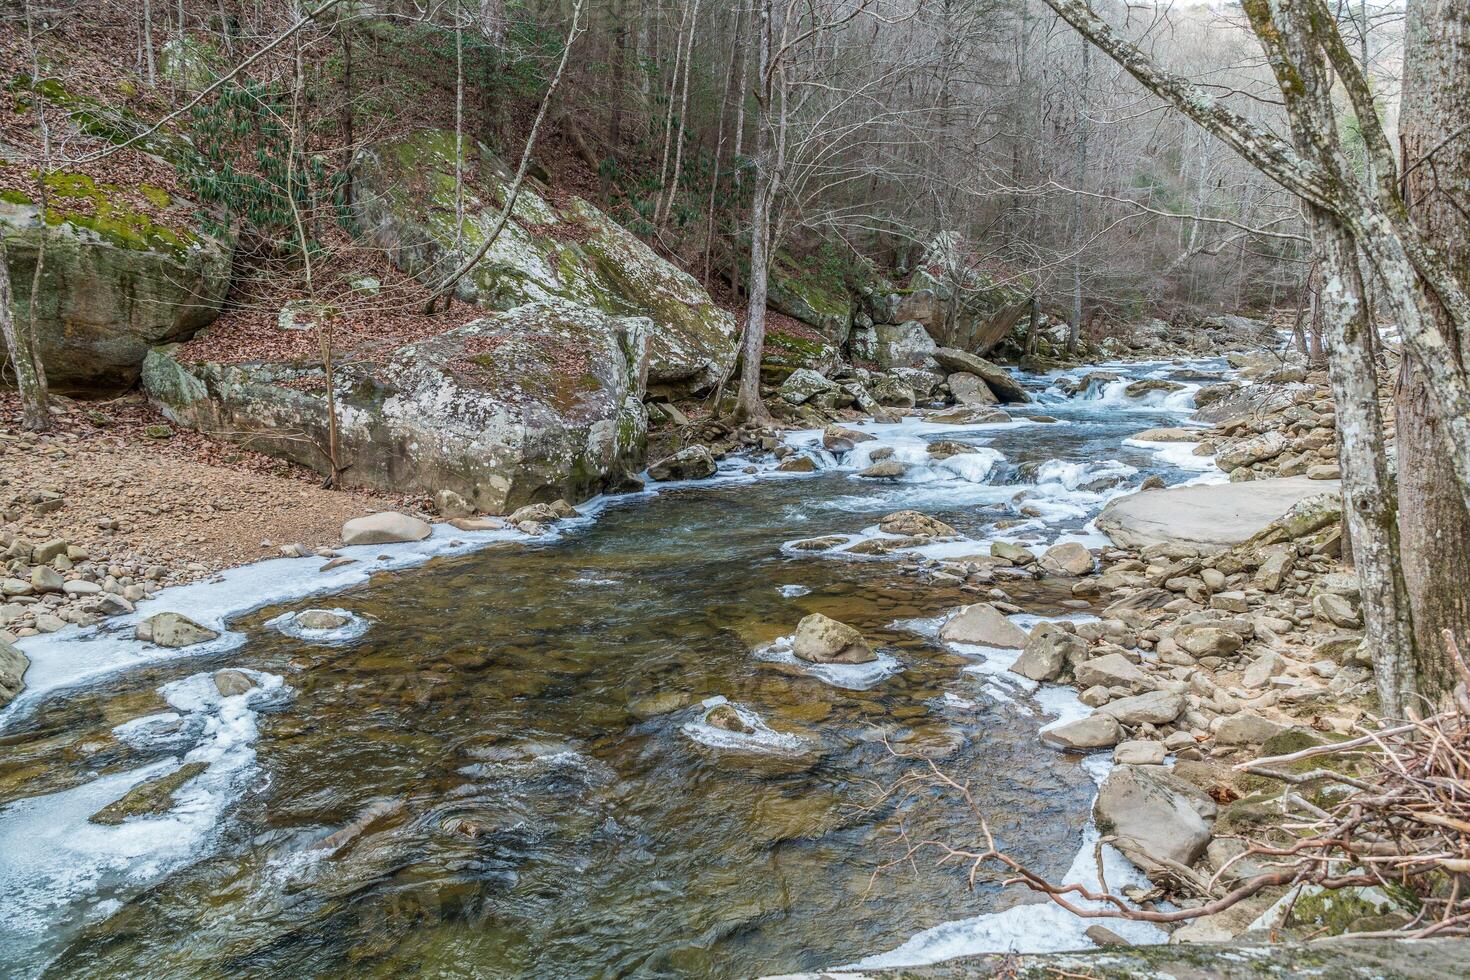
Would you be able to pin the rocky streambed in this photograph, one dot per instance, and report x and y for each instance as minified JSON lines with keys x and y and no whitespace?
{"x":592,"y":752}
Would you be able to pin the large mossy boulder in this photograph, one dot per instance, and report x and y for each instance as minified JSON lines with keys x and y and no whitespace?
{"x":534,"y":404}
{"x":813,"y":291}
{"x":125,"y":269}
{"x":405,"y":202}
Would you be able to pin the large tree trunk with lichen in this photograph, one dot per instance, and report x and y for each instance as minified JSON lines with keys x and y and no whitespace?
{"x":1436,"y":523}
{"x":1371,"y":513}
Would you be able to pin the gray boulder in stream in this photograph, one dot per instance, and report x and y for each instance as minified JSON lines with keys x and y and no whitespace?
{"x":1005,"y":387}
{"x":823,"y":640}
{"x":1155,"y":816}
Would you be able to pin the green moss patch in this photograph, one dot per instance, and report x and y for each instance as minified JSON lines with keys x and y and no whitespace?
{"x":77,"y":199}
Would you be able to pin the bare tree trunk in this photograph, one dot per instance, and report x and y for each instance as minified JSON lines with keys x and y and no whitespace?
{"x":683,"y":116}
{"x":24,"y":343}
{"x":663,"y":167}
{"x":147,"y":15}
{"x":458,"y":126}
{"x":21,"y":354}
{"x":321,"y":323}
{"x":1436,"y":523}
{"x":1371,"y":512}
{"x":1074,"y":329}
{"x":619,"y":96}
{"x":749,"y":404}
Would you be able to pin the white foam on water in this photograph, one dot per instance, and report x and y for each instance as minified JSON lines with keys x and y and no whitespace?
{"x":58,"y":869}
{"x":851,"y":677}
{"x":762,"y":738}
{"x":793,"y":591}
{"x":356,"y":626}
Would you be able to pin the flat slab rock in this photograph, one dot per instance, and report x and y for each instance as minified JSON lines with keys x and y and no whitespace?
{"x":1211,"y":518}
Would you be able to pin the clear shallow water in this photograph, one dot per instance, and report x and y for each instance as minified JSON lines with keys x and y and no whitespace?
{"x":517,"y":734}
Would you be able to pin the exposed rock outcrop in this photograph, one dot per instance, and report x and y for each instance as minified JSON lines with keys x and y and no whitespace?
{"x":536,"y":403}
{"x":1207,"y":518}
{"x":572,"y":252}
{"x":125,"y":269}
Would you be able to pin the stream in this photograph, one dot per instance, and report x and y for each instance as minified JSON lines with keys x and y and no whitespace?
{"x":500,"y":767}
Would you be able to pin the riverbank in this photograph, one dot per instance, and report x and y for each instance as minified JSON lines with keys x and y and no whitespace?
{"x":116,"y":504}
{"x":1023,"y":484}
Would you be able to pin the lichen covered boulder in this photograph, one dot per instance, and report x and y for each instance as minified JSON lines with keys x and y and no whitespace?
{"x":13,"y":666}
{"x":571,"y":251}
{"x":125,"y":268}
{"x":534,"y":404}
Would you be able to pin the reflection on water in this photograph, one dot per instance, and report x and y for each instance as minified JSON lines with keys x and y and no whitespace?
{"x":503,"y":766}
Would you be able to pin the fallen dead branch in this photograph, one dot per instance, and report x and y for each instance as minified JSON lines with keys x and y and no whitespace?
{"x":1401,"y":822}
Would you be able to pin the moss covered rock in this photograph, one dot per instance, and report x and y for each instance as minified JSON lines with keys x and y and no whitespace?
{"x":813,"y":291}
{"x":124,"y":269}
{"x":533,"y":404}
{"x":569,"y":251}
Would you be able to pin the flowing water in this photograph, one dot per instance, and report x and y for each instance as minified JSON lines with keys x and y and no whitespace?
{"x":501,"y":766}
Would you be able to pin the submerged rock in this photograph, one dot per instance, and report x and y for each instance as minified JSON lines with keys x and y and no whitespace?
{"x":149,"y":798}
{"x":170,"y":629}
{"x":1140,"y":388}
{"x":970,"y":415}
{"x":385,"y":527}
{"x":945,"y":448}
{"x":725,"y":717}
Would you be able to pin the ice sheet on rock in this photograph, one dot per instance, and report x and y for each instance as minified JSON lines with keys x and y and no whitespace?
{"x":1180,"y":454}
{"x":76,"y":656}
{"x":1041,"y":927}
{"x":59,"y":871}
{"x":851,"y":677}
{"x":762,"y":738}
{"x":355,"y":627}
